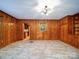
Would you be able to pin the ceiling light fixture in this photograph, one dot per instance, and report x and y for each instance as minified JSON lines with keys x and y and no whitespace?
{"x":45,"y":10}
{"x":45,"y":7}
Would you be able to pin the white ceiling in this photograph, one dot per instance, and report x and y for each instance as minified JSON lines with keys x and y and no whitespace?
{"x":24,"y":9}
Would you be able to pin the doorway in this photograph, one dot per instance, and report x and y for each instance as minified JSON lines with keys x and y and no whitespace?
{"x":26,"y":31}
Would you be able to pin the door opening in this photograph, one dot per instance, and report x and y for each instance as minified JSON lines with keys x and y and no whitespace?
{"x":26,"y":32}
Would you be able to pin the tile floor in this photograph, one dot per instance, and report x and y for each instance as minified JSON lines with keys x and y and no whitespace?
{"x":39,"y":49}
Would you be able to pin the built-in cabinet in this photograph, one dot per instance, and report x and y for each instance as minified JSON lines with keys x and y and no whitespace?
{"x":69,"y":30}
{"x":76,"y":24}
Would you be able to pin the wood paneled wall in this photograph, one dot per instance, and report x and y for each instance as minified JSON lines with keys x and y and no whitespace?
{"x":8,"y":29}
{"x":66,"y":31}
{"x":12,"y":30}
{"x":35,"y":32}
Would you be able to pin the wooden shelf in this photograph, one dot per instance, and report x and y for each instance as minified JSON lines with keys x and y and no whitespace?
{"x":76,"y":25}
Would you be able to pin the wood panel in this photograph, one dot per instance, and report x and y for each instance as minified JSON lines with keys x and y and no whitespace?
{"x":36,"y":33}
{"x":8,"y":29}
{"x":67,"y":30}
{"x":12,"y":29}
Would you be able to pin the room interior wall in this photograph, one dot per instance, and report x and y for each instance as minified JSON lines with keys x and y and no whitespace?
{"x":7,"y":29}
{"x":66,"y":31}
{"x":11,"y":30}
{"x":35,"y":32}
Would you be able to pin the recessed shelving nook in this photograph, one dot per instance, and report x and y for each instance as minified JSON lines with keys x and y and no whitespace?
{"x":76,"y":24}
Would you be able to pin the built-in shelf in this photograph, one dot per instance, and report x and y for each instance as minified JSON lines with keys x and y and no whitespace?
{"x":76,"y":25}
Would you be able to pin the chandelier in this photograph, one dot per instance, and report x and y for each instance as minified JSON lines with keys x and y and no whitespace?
{"x":45,"y":10}
{"x":45,"y":7}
